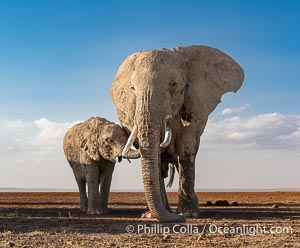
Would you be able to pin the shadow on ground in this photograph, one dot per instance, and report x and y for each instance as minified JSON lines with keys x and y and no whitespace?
{"x":48,"y":219}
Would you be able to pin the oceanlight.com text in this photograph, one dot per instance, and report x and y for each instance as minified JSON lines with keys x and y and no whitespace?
{"x":208,"y":228}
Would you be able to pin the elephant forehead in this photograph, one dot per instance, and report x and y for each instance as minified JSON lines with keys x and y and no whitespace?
{"x":113,"y":131}
{"x":148,"y":67}
{"x":158,"y":70}
{"x":157,"y":59}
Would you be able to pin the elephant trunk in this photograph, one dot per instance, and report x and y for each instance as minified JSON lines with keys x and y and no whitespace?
{"x":149,"y":130}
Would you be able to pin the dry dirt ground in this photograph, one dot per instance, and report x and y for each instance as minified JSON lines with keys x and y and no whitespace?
{"x":54,"y":220}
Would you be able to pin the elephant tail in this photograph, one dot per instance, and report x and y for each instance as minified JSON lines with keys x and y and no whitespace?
{"x":172,"y":174}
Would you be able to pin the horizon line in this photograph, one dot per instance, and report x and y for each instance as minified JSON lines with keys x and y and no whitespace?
{"x":20,"y":190}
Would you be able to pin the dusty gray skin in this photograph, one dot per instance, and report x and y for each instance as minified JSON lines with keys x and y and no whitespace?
{"x":163,"y":98}
{"x":92,"y":148}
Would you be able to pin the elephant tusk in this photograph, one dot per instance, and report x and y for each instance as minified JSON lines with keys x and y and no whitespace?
{"x":130,"y":141}
{"x":168,"y":135}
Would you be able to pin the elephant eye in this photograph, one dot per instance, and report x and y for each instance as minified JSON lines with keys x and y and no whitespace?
{"x":109,"y":140}
{"x":173,"y":88}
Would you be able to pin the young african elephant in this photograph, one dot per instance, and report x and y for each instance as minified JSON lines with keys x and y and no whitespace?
{"x":92,"y":148}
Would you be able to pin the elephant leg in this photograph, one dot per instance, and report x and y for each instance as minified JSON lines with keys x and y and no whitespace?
{"x":106,"y":172}
{"x":164,"y":194}
{"x":80,"y":176}
{"x":187,"y":148}
{"x":82,"y":193}
{"x":93,"y":188}
{"x":163,"y":175}
{"x":187,"y":198}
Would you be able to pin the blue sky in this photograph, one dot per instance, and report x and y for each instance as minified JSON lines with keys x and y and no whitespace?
{"x":58,"y":58}
{"x":64,"y":54}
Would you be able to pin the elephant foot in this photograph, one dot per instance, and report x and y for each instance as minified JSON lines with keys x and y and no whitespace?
{"x":83,"y":208}
{"x":93,"y":212}
{"x":104,"y":210}
{"x":189,"y":213}
{"x":188,"y":207}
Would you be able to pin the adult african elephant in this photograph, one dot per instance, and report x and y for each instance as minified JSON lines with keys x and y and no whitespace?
{"x":164,"y":97}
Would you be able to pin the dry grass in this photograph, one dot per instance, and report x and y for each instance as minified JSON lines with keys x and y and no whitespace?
{"x":54,"y":220}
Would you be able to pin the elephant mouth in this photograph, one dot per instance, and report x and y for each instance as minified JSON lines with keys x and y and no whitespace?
{"x":134,"y":133}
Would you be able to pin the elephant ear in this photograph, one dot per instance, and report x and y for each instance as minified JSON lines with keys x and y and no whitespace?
{"x":210,"y":74}
{"x":90,"y":140}
{"x":122,"y":92}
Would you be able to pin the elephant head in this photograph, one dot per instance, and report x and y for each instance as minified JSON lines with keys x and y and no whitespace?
{"x":152,"y":88}
{"x":107,"y":140}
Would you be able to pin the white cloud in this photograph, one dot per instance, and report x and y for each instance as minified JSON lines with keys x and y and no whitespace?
{"x":267,"y":131}
{"x":228,"y":111}
{"x":34,"y":140}
{"x":31,"y":154}
{"x":49,"y":134}
{"x":16,"y":125}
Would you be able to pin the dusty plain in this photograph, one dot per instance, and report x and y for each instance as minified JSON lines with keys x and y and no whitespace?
{"x":261,"y":219}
